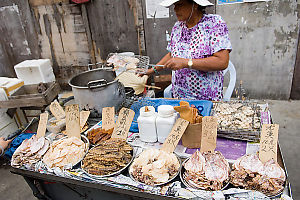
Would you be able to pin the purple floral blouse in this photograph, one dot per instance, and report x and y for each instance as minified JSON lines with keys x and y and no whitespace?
{"x":209,"y":36}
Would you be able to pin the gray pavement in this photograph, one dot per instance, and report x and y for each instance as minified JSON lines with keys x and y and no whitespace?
{"x":285,"y":113}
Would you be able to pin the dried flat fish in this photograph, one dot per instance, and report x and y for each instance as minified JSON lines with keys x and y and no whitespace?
{"x":207,"y":171}
{"x":107,"y":157}
{"x":30,"y":152}
{"x":249,"y":172}
{"x":154,"y":166}
{"x":65,"y":151}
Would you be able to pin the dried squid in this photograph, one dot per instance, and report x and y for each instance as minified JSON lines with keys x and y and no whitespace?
{"x":208,"y":171}
{"x":154,"y":166}
{"x":30,"y":152}
{"x":250,"y":173}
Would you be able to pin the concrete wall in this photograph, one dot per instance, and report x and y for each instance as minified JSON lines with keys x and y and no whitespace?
{"x":264,"y":37}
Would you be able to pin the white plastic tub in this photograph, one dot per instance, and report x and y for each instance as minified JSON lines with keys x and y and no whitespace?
{"x":35,"y":71}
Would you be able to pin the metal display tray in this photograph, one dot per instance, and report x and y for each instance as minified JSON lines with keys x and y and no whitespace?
{"x":252,"y":134}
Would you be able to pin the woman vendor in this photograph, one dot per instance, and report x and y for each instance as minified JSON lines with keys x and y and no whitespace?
{"x":198,"y":51}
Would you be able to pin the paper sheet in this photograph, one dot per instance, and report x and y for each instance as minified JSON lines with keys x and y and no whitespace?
{"x":154,"y":10}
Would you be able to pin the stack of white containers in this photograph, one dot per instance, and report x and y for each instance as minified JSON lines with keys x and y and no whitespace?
{"x":35,"y":71}
{"x":7,"y":124}
{"x":156,"y":126}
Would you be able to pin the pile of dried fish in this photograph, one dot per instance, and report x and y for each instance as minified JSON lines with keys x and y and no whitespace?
{"x":208,"y":171}
{"x":250,"y":173}
{"x":107,"y":157}
{"x":30,"y":152}
{"x":154,"y":167}
{"x":98,"y":135}
{"x":236,"y":116}
{"x":64,"y":152}
{"x":120,"y":61}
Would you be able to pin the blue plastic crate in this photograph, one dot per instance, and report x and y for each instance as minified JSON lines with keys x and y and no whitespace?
{"x":203,"y":106}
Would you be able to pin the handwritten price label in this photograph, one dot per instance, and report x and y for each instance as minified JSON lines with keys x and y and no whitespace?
{"x":268,"y":142}
{"x":57,"y":110}
{"x":108,"y":118}
{"x":209,"y":134}
{"x":176,"y":133}
{"x":73,"y":120}
{"x":42,"y":125}
{"x":84,"y":115}
{"x":123,"y":124}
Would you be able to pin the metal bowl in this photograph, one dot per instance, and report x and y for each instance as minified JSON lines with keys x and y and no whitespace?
{"x":159,"y":184}
{"x":278,"y":195}
{"x":87,"y":146}
{"x":33,"y":165}
{"x":108,"y":175}
{"x":190,"y":186}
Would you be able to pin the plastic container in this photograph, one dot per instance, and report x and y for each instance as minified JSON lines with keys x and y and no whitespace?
{"x":165,"y":121}
{"x":35,"y":71}
{"x":7,"y":125}
{"x":146,"y":123}
{"x":56,"y":126}
{"x":7,"y":87}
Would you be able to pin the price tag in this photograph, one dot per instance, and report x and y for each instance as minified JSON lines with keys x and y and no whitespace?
{"x":108,"y":118}
{"x":209,"y":134}
{"x":268,"y":142}
{"x":42,"y":125}
{"x":176,"y":133}
{"x":73,"y":120}
{"x":84,"y":115}
{"x":57,"y":110}
{"x":123,"y":124}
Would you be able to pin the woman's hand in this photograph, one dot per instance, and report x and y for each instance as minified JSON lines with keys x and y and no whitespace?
{"x":176,"y":63}
{"x":4,"y":144}
{"x":148,"y":72}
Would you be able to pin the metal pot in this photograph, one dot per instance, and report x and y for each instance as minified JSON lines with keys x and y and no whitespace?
{"x":96,"y":89}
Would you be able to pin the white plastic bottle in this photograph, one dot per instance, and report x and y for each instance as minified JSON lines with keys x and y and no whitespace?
{"x":146,"y":122}
{"x":165,"y":121}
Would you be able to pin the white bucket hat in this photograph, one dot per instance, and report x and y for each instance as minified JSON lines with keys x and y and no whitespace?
{"x":167,"y":3}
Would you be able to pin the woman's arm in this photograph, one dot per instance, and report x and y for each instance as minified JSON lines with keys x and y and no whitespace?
{"x":218,"y":61}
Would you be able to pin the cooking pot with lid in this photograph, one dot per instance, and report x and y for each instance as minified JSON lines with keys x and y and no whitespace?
{"x":96,"y":89}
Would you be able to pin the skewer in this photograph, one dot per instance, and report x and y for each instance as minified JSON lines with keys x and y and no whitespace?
{"x":152,"y":65}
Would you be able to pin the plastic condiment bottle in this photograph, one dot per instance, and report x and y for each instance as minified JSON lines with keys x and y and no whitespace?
{"x":165,"y":121}
{"x":146,"y":123}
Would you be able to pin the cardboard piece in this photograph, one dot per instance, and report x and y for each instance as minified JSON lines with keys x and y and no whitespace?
{"x":41,"y":130}
{"x":84,"y":115}
{"x":123,"y":124}
{"x":191,"y":138}
{"x":268,"y":142}
{"x":73,"y":120}
{"x":108,"y":118}
{"x":209,"y":134}
{"x":57,"y":110}
{"x":173,"y":138}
